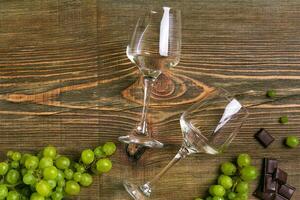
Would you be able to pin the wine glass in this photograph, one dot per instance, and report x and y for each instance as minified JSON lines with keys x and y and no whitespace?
{"x":155,"y":46}
{"x":208,"y":126}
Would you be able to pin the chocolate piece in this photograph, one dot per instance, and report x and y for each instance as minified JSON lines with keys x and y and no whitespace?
{"x":279,"y":197}
{"x":270,"y":165}
{"x":280,"y":176}
{"x":269,"y":184}
{"x":264,"y":137}
{"x":264,"y":195}
{"x":286,"y":191}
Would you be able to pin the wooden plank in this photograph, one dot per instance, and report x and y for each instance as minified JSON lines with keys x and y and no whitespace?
{"x":65,"y":80}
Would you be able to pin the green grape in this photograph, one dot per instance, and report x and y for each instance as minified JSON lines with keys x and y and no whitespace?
{"x":231,"y":195}
{"x":80,"y":168}
{"x":24,"y":157}
{"x":36,"y":196}
{"x":13,"y":195}
{"x":52,"y":183}
{"x":23,"y":171}
{"x":271,"y":93}
{"x":16,"y":156}
{"x":109,"y":148}
{"x":60,"y":175}
{"x":62,"y":162}
{"x":43,"y":188}
{"x":59,"y":189}
{"x":198,"y":198}
{"x":208,"y":198}
{"x":77,"y":176}
{"x":9,"y":154}
{"x":49,"y":151}
{"x":57,"y":196}
{"x":61,"y":183}
{"x":217,"y":190}
{"x":50,"y":173}
{"x":3,"y":168}
{"x":25,"y":191}
{"x":29,"y":179}
{"x":12,"y":176}
{"x":3,"y":191}
{"x":87,"y":156}
{"x":225,"y":181}
{"x":242,"y":187}
{"x":217,"y":198}
{"x":69,"y":174}
{"x":292,"y":141}
{"x":72,"y":188}
{"x":242,"y":196}
{"x":45,"y":162}
{"x":99,"y":153}
{"x":86,"y":180}
{"x":243,"y":160}
{"x":103,"y":165}
{"x":248,"y":173}
{"x":15,"y":164}
{"x":228,"y":168}
{"x":32,"y":162}
{"x":284,"y":120}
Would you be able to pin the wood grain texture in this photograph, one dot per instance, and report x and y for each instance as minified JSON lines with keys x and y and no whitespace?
{"x":65,"y":80}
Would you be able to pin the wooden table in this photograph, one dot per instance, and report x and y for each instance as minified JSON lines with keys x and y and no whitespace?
{"x":65,"y":80}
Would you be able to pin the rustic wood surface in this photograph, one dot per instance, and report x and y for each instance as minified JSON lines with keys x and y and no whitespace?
{"x":65,"y":80}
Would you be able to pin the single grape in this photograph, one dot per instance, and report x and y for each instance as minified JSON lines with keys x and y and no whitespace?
{"x":86,"y":180}
{"x":59,"y":189}
{"x":29,"y":179}
{"x":228,"y":168}
{"x":57,"y":196}
{"x":62,"y":162}
{"x":12,"y":176}
{"x":77,"y":176}
{"x":271,"y":93}
{"x":72,"y":188}
{"x":16,"y":156}
{"x":248,"y":173}
{"x":99,"y":153}
{"x":24,"y":157}
{"x":217,"y":190}
{"x":87,"y":156}
{"x":217,"y":198}
{"x":15,"y":164}
{"x":242,"y":187}
{"x":9,"y":154}
{"x":69,"y":174}
{"x":242,"y":196}
{"x":103,"y":165}
{"x":32,"y":162}
{"x":60,"y":175}
{"x":61,"y":183}
{"x":45,"y":162}
{"x":36,"y":196}
{"x":292,"y":141}
{"x":52,"y":183}
{"x":243,"y":160}
{"x":80,"y":168}
{"x":43,"y":188}
{"x":3,"y":168}
{"x":231,"y":195}
{"x":49,"y":151}
{"x":3,"y":191}
{"x":109,"y":148}
{"x":50,"y":173}
{"x":13,"y":195}
{"x":284,"y":120}
{"x":225,"y":181}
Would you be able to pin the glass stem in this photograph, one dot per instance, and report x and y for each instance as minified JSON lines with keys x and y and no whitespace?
{"x":147,"y":187}
{"x":143,"y":126}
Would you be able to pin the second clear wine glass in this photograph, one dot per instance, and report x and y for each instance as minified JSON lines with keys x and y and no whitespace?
{"x":154,"y":47}
{"x":208,"y":127}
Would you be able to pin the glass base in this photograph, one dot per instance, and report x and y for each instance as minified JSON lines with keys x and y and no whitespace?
{"x":134,"y":191}
{"x":141,"y":140}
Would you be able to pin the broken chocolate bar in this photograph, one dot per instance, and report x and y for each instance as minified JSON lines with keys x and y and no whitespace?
{"x":264,"y":195}
{"x":270,"y":165}
{"x":264,"y":137}
{"x":269,"y":184}
{"x":286,"y":191}
{"x":280,"y":176}
{"x":279,"y":197}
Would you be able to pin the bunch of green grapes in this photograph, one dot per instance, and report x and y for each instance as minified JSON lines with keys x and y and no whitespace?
{"x":233,"y":183}
{"x":49,"y":175}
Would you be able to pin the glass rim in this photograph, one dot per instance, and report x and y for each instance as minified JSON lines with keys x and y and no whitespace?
{"x":156,"y":9}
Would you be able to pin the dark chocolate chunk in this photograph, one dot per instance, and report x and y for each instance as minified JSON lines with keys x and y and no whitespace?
{"x":286,"y":191}
{"x":279,"y":197}
{"x":264,"y":195}
{"x":280,"y":176}
{"x":269,"y":184}
{"x":264,"y":137}
{"x":270,"y":165}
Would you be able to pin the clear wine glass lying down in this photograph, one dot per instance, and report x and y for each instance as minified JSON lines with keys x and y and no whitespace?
{"x":208,"y":127}
{"x":155,"y":46}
